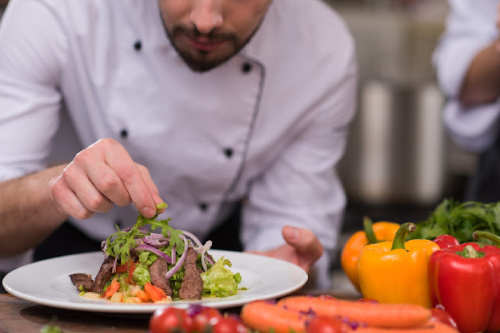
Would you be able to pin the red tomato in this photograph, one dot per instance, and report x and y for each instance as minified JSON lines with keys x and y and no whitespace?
{"x":327,"y":325}
{"x":170,"y":320}
{"x":439,"y":314}
{"x":229,"y":324}
{"x":202,"y":318}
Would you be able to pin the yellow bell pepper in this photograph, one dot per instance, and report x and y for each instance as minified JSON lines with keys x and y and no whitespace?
{"x":373,"y":233}
{"x":396,"y":272}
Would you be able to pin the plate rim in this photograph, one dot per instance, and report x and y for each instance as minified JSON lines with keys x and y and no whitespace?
{"x":68,"y":304}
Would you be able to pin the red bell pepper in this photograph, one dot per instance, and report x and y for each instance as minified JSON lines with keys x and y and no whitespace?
{"x":446,"y":241}
{"x":465,"y":280}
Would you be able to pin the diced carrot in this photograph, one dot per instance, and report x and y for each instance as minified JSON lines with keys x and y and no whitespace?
{"x":112,"y":288}
{"x":155,"y":293}
{"x":143,"y":296}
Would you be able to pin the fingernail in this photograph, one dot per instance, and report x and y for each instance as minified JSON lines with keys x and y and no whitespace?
{"x":148,"y":212}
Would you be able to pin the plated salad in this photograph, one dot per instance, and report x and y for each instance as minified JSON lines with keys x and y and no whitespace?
{"x":142,"y":266}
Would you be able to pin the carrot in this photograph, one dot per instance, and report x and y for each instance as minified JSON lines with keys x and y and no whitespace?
{"x":154,"y":293}
{"x":373,"y":314}
{"x":266,"y":317}
{"x":430,"y":327}
{"x":143,"y":296}
{"x":112,"y":288}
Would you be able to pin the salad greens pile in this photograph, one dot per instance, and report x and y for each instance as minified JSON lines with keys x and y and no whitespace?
{"x":459,"y":219}
{"x":172,"y":245}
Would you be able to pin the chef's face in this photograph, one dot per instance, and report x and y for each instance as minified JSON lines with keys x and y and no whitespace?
{"x":206,"y":33}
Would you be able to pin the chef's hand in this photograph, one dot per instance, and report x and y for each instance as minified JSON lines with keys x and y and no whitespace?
{"x":302,"y":248}
{"x":100,"y":176}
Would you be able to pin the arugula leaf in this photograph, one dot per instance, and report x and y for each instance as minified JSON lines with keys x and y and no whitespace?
{"x":169,"y":232}
{"x":120,"y":243}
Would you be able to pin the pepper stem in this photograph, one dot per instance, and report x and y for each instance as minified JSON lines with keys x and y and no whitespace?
{"x":470,"y":252}
{"x":478,"y":234}
{"x":399,"y":238}
{"x":369,"y":233}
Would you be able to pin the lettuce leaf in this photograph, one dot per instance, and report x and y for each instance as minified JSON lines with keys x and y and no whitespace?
{"x":219,"y":281}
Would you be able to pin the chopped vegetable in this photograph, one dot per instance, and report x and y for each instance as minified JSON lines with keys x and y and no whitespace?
{"x":154,"y":293}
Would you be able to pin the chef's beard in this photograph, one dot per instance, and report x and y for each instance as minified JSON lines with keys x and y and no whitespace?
{"x":201,"y":61}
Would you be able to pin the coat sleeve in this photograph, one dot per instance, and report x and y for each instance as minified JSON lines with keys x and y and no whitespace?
{"x":470,"y":27}
{"x":32,"y":49}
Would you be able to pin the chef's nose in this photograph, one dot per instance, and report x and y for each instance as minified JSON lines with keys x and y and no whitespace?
{"x":206,"y":15}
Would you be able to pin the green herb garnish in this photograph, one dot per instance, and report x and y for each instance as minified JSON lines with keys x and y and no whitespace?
{"x":119,"y":244}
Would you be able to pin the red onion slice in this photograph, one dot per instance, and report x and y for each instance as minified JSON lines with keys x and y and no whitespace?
{"x":193,"y":237}
{"x":204,"y":250}
{"x":179,"y":263}
{"x":146,"y":247}
{"x":156,"y":240}
{"x":114,"y":265}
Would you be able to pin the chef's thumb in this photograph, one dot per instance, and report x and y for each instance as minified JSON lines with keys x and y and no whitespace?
{"x":304,"y":241}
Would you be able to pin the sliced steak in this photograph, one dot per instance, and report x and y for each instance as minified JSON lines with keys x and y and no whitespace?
{"x":105,"y":273}
{"x":157,"y":272}
{"x":82,"y":281}
{"x":192,"y":284}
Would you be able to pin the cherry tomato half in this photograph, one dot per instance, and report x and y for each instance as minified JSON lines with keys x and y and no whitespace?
{"x":170,"y":320}
{"x":228,"y":324}
{"x":327,"y":325}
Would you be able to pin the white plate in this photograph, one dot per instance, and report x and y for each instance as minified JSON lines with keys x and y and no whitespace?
{"x":47,"y":282}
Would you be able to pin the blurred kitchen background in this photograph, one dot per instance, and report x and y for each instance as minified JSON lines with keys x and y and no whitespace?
{"x":399,"y":162}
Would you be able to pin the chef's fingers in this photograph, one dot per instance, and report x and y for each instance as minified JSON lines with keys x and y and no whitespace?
{"x":141,"y":192}
{"x":155,"y":193}
{"x":67,"y":201}
{"x":88,"y":187}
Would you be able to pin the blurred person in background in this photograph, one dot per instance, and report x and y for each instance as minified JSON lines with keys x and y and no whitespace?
{"x":214,"y":106}
{"x":467,"y":62}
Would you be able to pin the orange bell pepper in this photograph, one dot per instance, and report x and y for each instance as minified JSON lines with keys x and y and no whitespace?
{"x":373,"y":233}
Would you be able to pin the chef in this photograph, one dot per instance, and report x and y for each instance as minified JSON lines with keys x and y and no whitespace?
{"x":227,"y":110}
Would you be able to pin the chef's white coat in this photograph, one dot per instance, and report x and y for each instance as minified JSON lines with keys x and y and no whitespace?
{"x":470,"y":27}
{"x":268,"y":126}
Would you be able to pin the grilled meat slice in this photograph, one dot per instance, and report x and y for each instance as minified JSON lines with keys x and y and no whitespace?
{"x":192,"y":284}
{"x":82,"y":281}
{"x":105,"y":273}
{"x":157,"y":272}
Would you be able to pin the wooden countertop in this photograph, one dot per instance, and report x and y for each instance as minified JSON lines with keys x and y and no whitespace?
{"x":19,"y":316}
